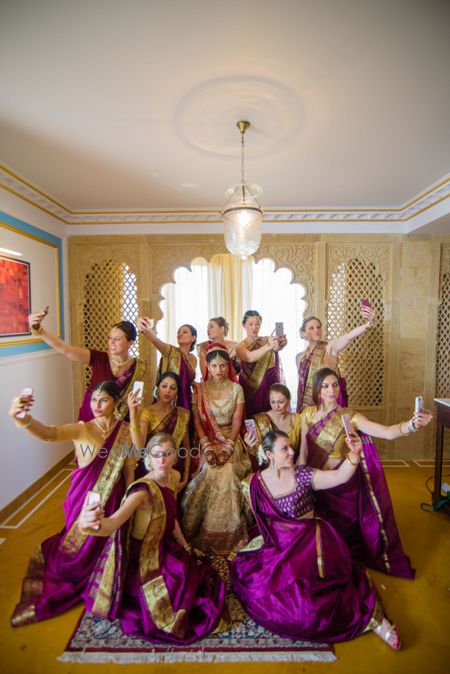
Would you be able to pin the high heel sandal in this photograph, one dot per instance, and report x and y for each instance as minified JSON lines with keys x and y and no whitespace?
{"x":386,"y":630}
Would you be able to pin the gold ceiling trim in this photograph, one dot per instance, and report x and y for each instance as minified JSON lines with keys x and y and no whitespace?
{"x":24,"y":190}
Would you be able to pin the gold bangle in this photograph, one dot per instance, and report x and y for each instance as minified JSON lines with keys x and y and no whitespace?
{"x":37,"y":331}
{"x":354,"y":463}
{"x":135,"y":429}
{"x":27,"y":419}
{"x":400,"y":427}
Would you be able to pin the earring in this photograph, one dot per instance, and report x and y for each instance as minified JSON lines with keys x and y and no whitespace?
{"x":175,"y":401}
{"x":156,"y":393}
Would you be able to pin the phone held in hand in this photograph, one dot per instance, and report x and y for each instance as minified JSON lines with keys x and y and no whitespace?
{"x":25,"y":393}
{"x":364,"y":302}
{"x":138,"y":389}
{"x":347,"y":424}
{"x":418,"y":405}
{"x":93,"y":498}
{"x":250,"y":426}
{"x":279,"y":329}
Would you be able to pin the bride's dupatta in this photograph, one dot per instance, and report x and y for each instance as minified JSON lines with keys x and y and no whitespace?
{"x":176,"y":361}
{"x":218,"y":454}
{"x":257,"y":378}
{"x":361,"y":509}
{"x":60,"y":567}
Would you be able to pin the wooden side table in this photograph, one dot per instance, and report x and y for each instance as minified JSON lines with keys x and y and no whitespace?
{"x":442,"y":421}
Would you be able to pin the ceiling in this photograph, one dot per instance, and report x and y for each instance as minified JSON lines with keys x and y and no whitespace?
{"x":112,"y":105}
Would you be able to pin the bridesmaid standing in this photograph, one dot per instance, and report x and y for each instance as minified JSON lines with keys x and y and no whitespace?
{"x":178,"y":359}
{"x":260,"y":363}
{"x":321,"y":354}
{"x":217,"y":331}
{"x":116,"y":364}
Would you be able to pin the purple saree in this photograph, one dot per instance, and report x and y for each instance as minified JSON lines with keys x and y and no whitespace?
{"x":297,"y":579}
{"x":161,"y":593}
{"x":60,"y":567}
{"x":176,"y":361}
{"x":361,"y":509}
{"x":257,"y":378}
{"x":309,"y":364}
{"x":101,"y":371}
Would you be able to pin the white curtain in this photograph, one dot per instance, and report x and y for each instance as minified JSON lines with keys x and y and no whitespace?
{"x":228,"y":286}
{"x":279,"y":300}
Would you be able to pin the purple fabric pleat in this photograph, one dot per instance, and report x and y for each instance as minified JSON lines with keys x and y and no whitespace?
{"x":361,"y":510}
{"x":192,"y":587}
{"x":302,"y":583}
{"x":65,"y":573}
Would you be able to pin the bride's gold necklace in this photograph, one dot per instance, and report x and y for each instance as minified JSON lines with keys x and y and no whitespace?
{"x":117,"y":365}
{"x":104,"y":432}
{"x":218,"y":385}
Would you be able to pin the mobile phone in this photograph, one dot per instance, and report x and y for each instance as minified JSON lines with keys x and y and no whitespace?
{"x":347,"y":424}
{"x":250,"y":426}
{"x":25,"y":393}
{"x":93,"y":497}
{"x":138,"y":389}
{"x":364,"y":302}
{"x":279,"y":329}
{"x":418,"y":404}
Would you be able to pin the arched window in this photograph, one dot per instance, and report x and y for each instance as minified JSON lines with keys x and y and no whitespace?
{"x":228,"y":286}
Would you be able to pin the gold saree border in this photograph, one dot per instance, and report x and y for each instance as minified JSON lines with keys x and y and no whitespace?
{"x":154,"y":587}
{"x":376,"y":505}
{"x":32,"y":588}
{"x":261,"y":367}
{"x":104,"y":485}
{"x":138,"y":375}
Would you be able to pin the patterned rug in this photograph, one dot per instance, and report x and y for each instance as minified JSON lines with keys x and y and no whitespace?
{"x":98,"y":640}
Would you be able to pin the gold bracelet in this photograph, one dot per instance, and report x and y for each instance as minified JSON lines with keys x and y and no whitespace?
{"x":354,"y":463}
{"x":27,"y":421}
{"x":400,"y":427}
{"x":135,"y":429}
{"x":37,"y":331}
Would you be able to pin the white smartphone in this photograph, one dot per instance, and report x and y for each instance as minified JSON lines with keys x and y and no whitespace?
{"x":93,"y":497}
{"x":418,"y":404}
{"x":250,"y":426}
{"x":138,"y":389}
{"x":279,"y":329}
{"x":25,"y":393}
{"x":347,"y":424}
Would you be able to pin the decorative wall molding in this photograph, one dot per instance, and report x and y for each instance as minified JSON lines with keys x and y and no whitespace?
{"x":31,"y":194}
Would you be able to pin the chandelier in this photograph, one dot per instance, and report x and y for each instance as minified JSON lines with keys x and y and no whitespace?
{"x":242,"y":214}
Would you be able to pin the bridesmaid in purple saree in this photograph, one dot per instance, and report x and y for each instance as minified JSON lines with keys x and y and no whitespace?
{"x":260,"y":364}
{"x":296,"y":578}
{"x":321,"y":354}
{"x":178,"y":359}
{"x":163,"y":416}
{"x":163,"y":594}
{"x":116,"y":364}
{"x":60,"y":567}
{"x":361,"y":510}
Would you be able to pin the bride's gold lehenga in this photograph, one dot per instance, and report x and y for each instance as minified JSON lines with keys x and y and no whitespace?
{"x":216,"y":516}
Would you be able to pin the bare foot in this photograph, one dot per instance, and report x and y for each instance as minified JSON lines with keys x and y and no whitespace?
{"x":389,"y":633}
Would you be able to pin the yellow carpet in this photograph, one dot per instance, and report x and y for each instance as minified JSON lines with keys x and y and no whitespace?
{"x":421,"y":608}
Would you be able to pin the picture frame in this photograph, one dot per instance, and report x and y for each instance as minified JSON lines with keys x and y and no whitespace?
{"x":15,"y":297}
